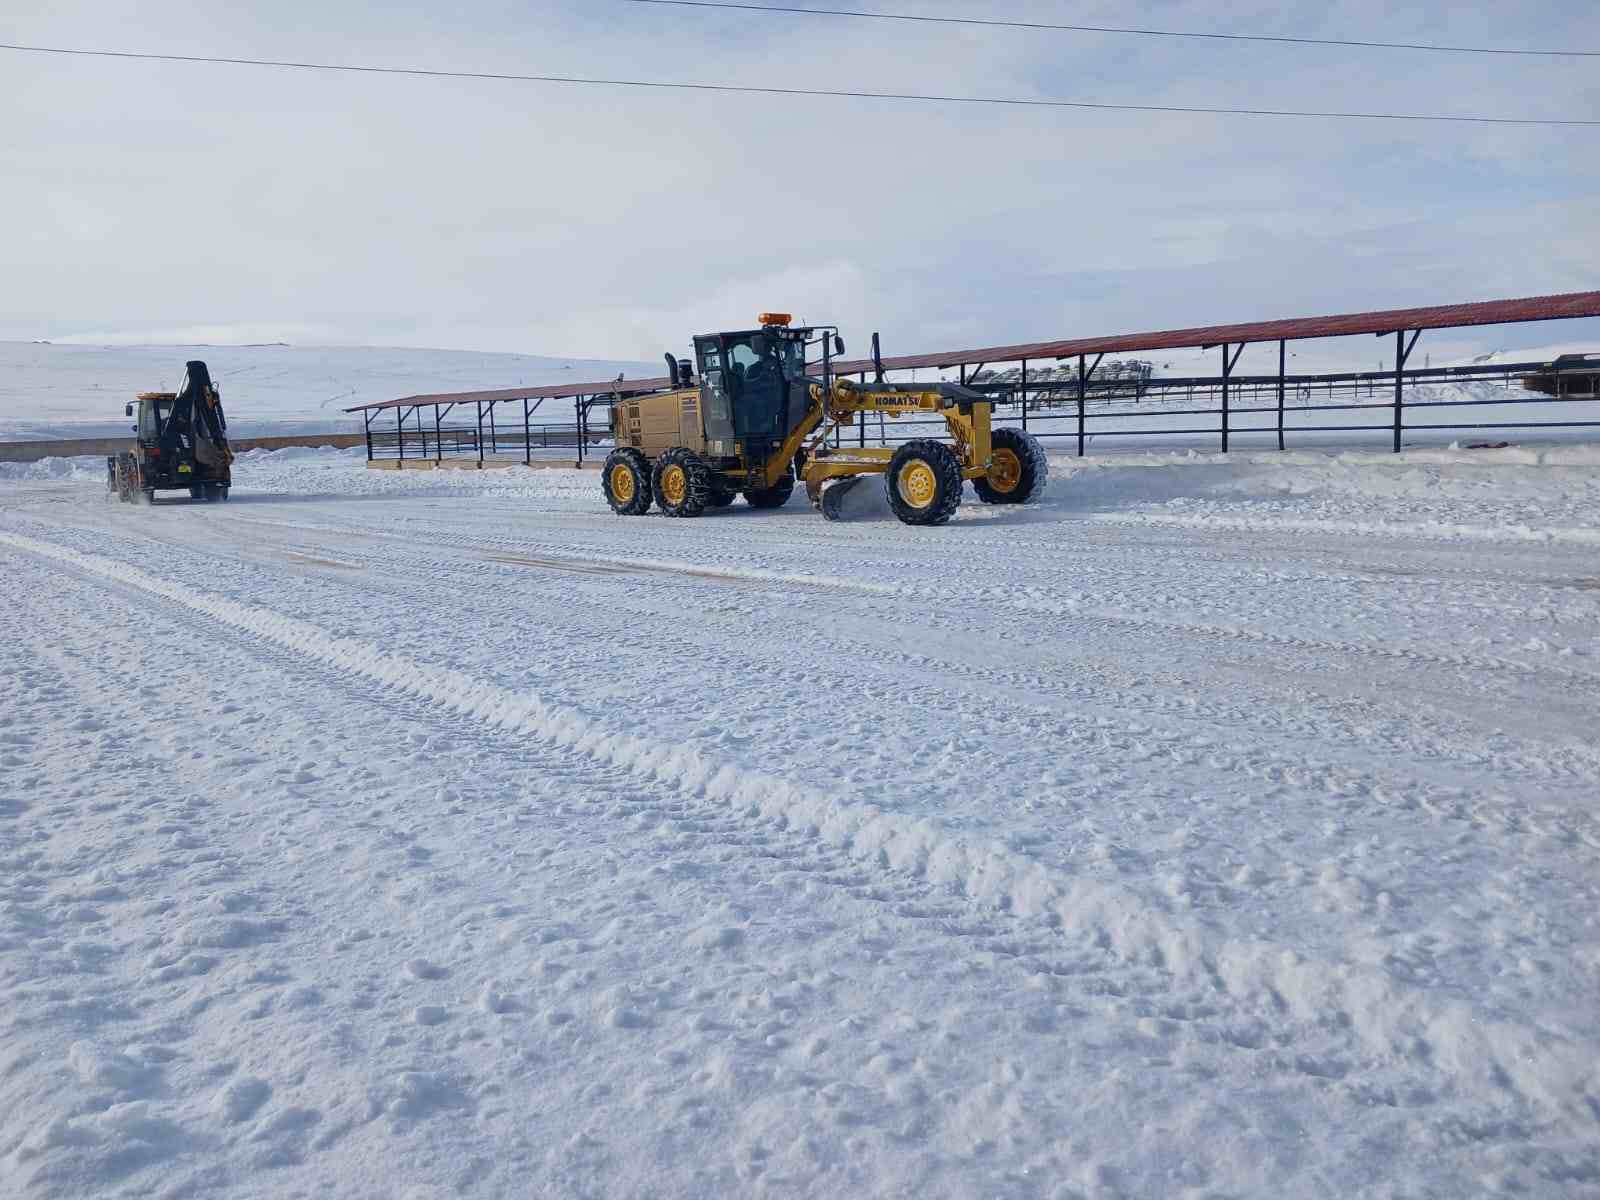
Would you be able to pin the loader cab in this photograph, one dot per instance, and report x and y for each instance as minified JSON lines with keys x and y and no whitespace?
{"x":154,"y":410}
{"x":752,"y":388}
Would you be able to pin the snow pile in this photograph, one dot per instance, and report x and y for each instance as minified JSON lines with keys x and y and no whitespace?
{"x":1520,"y":494}
{"x":83,"y":467}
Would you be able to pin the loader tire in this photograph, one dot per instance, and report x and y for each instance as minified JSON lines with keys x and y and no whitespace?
{"x":1018,"y":471}
{"x":775,"y":496}
{"x":720,"y":498}
{"x":681,"y":484}
{"x":923,"y":483}
{"x":625,"y":479}
{"x":197,"y":491}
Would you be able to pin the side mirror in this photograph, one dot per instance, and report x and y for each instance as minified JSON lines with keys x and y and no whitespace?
{"x":838,"y":344}
{"x":127,"y":410}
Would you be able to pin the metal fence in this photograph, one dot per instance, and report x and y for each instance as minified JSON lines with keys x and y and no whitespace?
{"x":418,"y":434}
{"x":1216,"y":410}
{"x":1207,"y":411}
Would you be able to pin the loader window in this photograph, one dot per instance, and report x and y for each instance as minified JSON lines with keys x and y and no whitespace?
{"x":153,"y":416}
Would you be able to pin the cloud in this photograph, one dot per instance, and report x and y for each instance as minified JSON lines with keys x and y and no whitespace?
{"x":615,"y":222}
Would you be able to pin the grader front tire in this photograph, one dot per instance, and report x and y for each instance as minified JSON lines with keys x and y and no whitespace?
{"x":923,"y":483}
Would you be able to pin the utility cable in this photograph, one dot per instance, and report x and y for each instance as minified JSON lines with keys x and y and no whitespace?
{"x":1015,"y":102}
{"x":1166,"y":33}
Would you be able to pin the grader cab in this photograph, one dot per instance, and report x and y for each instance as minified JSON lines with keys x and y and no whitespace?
{"x":758,"y":417}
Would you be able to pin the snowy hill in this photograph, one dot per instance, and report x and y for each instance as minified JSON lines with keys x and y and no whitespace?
{"x":78,"y":391}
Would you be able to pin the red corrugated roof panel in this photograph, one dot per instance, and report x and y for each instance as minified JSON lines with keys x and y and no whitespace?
{"x":625,"y":387}
{"x":1443,"y":316}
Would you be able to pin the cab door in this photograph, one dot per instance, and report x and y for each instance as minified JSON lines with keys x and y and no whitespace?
{"x":716,"y":398}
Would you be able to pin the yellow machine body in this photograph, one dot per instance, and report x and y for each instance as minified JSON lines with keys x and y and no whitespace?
{"x":665,"y":453}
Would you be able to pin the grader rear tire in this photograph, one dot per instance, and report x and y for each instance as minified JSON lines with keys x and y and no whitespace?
{"x":681,"y":483}
{"x":923,"y":483}
{"x":1019,"y":472}
{"x":775,"y":496}
{"x":625,"y":479}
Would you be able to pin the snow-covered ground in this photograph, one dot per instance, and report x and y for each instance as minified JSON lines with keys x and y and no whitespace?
{"x":1214,"y":827}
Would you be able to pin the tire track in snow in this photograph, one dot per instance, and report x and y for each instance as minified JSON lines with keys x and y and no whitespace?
{"x":1383,"y":1013}
{"x":1500,"y":813}
{"x":1081,"y":612}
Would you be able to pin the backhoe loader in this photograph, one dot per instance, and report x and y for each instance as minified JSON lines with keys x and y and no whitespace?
{"x":757,"y":419}
{"x":181,"y":443}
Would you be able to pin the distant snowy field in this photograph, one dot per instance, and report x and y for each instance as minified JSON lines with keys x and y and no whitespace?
{"x":50,"y":391}
{"x":1212,"y":828}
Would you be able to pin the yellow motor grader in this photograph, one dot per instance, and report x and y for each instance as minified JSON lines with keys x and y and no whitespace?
{"x":756,"y":419}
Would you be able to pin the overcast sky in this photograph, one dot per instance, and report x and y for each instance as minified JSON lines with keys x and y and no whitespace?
{"x":167,"y":202}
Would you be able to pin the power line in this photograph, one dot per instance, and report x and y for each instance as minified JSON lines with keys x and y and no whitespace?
{"x":1167,"y":33}
{"x":1008,"y":101}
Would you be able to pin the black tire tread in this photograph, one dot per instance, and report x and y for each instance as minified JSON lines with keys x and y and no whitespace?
{"x":946,"y":467}
{"x":699,"y":480}
{"x":1035,"y":468}
{"x":642,"y":487}
{"x":775,"y":496}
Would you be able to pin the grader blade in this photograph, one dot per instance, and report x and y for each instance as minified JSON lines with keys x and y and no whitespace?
{"x":853,"y":498}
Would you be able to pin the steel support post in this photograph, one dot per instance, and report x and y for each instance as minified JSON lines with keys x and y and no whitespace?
{"x":1280,"y":393}
{"x":1402,"y":351}
{"x":1083,"y":383}
{"x":527,"y":436}
{"x":1024,"y":393}
{"x":479,"y":406}
{"x":438,"y":436}
{"x":366,"y":421}
{"x":577,"y":409}
{"x":1229,"y":361}
{"x":1399,"y":386}
{"x":494,"y":440}
{"x":400,"y":434}
{"x":1225,"y":374}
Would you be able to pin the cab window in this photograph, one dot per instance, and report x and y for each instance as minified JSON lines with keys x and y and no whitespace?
{"x":153,"y":416}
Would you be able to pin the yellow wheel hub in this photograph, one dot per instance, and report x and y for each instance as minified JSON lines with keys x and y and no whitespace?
{"x":917,"y":484}
{"x":674,"y":485}
{"x":622,"y":483}
{"x":1005,"y":471}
